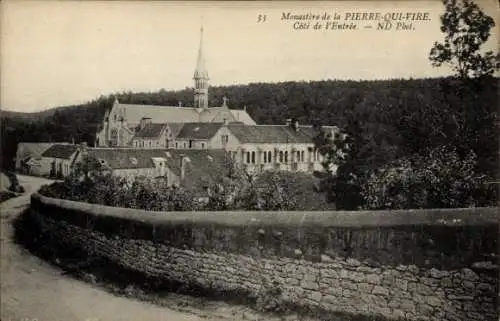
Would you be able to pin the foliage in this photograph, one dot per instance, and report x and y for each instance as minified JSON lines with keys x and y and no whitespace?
{"x":14,"y":185}
{"x":348,"y":156}
{"x":441,"y":179}
{"x":400,"y":116}
{"x":234,"y":190}
{"x":467,"y":28}
{"x":271,"y":191}
{"x":152,"y":195}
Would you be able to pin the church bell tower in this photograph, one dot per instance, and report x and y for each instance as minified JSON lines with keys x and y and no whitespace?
{"x":200,"y":78}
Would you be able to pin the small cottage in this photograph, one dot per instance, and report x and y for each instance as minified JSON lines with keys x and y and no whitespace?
{"x":58,"y":160}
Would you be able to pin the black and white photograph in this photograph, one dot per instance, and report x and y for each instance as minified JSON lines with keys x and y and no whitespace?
{"x":249,"y":160}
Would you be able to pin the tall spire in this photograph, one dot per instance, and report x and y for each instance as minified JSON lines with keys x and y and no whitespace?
{"x":200,"y":78}
{"x":201,"y":71}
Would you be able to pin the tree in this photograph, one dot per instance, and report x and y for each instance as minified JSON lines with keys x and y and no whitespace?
{"x":347,"y":159}
{"x":440,"y":179}
{"x":467,"y":28}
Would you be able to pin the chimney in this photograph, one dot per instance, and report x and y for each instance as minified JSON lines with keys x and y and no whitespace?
{"x":288,"y":121}
{"x":183,"y":167}
{"x":83,"y":147}
{"x":144,"y":122}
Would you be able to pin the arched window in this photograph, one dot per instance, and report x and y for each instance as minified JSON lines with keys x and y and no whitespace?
{"x":298,"y":156}
{"x":286,"y":157}
{"x":269,"y":155}
{"x":265,"y":157}
{"x":248,"y":157}
{"x":114,"y":137}
{"x":302,"y":156}
{"x":253,"y":157}
{"x":281,"y":157}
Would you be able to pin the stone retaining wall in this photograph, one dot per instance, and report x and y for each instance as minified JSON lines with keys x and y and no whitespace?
{"x":418,"y":265}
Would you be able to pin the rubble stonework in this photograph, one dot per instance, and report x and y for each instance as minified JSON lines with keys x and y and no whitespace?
{"x":329,"y":282}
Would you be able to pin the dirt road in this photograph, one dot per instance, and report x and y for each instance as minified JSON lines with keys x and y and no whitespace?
{"x":34,"y":290}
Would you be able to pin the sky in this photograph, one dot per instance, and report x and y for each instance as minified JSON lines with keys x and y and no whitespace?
{"x":56,"y":53}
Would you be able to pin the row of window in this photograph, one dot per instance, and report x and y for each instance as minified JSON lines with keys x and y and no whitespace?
{"x":150,"y":144}
{"x":279,"y":157}
{"x":142,"y":143}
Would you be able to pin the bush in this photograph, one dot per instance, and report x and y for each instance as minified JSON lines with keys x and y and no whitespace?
{"x":441,"y":179}
{"x":239,"y":191}
{"x":236,"y":190}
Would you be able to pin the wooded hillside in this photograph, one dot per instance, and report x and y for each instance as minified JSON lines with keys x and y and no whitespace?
{"x":398,"y":117}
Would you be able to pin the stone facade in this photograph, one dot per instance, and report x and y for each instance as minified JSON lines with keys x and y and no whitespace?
{"x":191,"y":249}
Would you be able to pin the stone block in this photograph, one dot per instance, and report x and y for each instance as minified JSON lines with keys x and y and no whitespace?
{"x":310,"y":285}
{"x":314,"y":296}
{"x":377,"y":289}
{"x":438,"y":274}
{"x":469,"y":275}
{"x":334,"y":291}
{"x":372,"y":278}
{"x":348,"y":293}
{"x":425,"y":310}
{"x":433,"y":301}
{"x":325,"y":258}
{"x":423,"y":289}
{"x":398,"y":314}
{"x":486,"y":288}
{"x":365,"y":288}
{"x":446,"y":282}
{"x":353,"y":262}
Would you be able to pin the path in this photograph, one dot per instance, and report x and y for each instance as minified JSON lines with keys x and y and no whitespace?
{"x":34,"y":290}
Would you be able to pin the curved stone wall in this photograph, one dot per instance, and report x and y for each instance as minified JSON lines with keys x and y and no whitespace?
{"x":414,"y":264}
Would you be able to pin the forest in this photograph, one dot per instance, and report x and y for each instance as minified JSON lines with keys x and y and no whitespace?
{"x":399,"y":116}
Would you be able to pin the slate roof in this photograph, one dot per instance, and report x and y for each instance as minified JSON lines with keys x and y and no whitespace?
{"x":150,"y":131}
{"x":203,"y":166}
{"x":242,"y":116}
{"x":161,"y":114}
{"x":262,"y":134}
{"x":198,"y":130}
{"x":175,"y":128}
{"x":171,"y":114}
{"x":216,"y":114}
{"x":126,"y":158}
{"x":62,"y":151}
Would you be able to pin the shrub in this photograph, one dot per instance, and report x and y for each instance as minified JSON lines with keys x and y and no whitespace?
{"x":441,"y":179}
